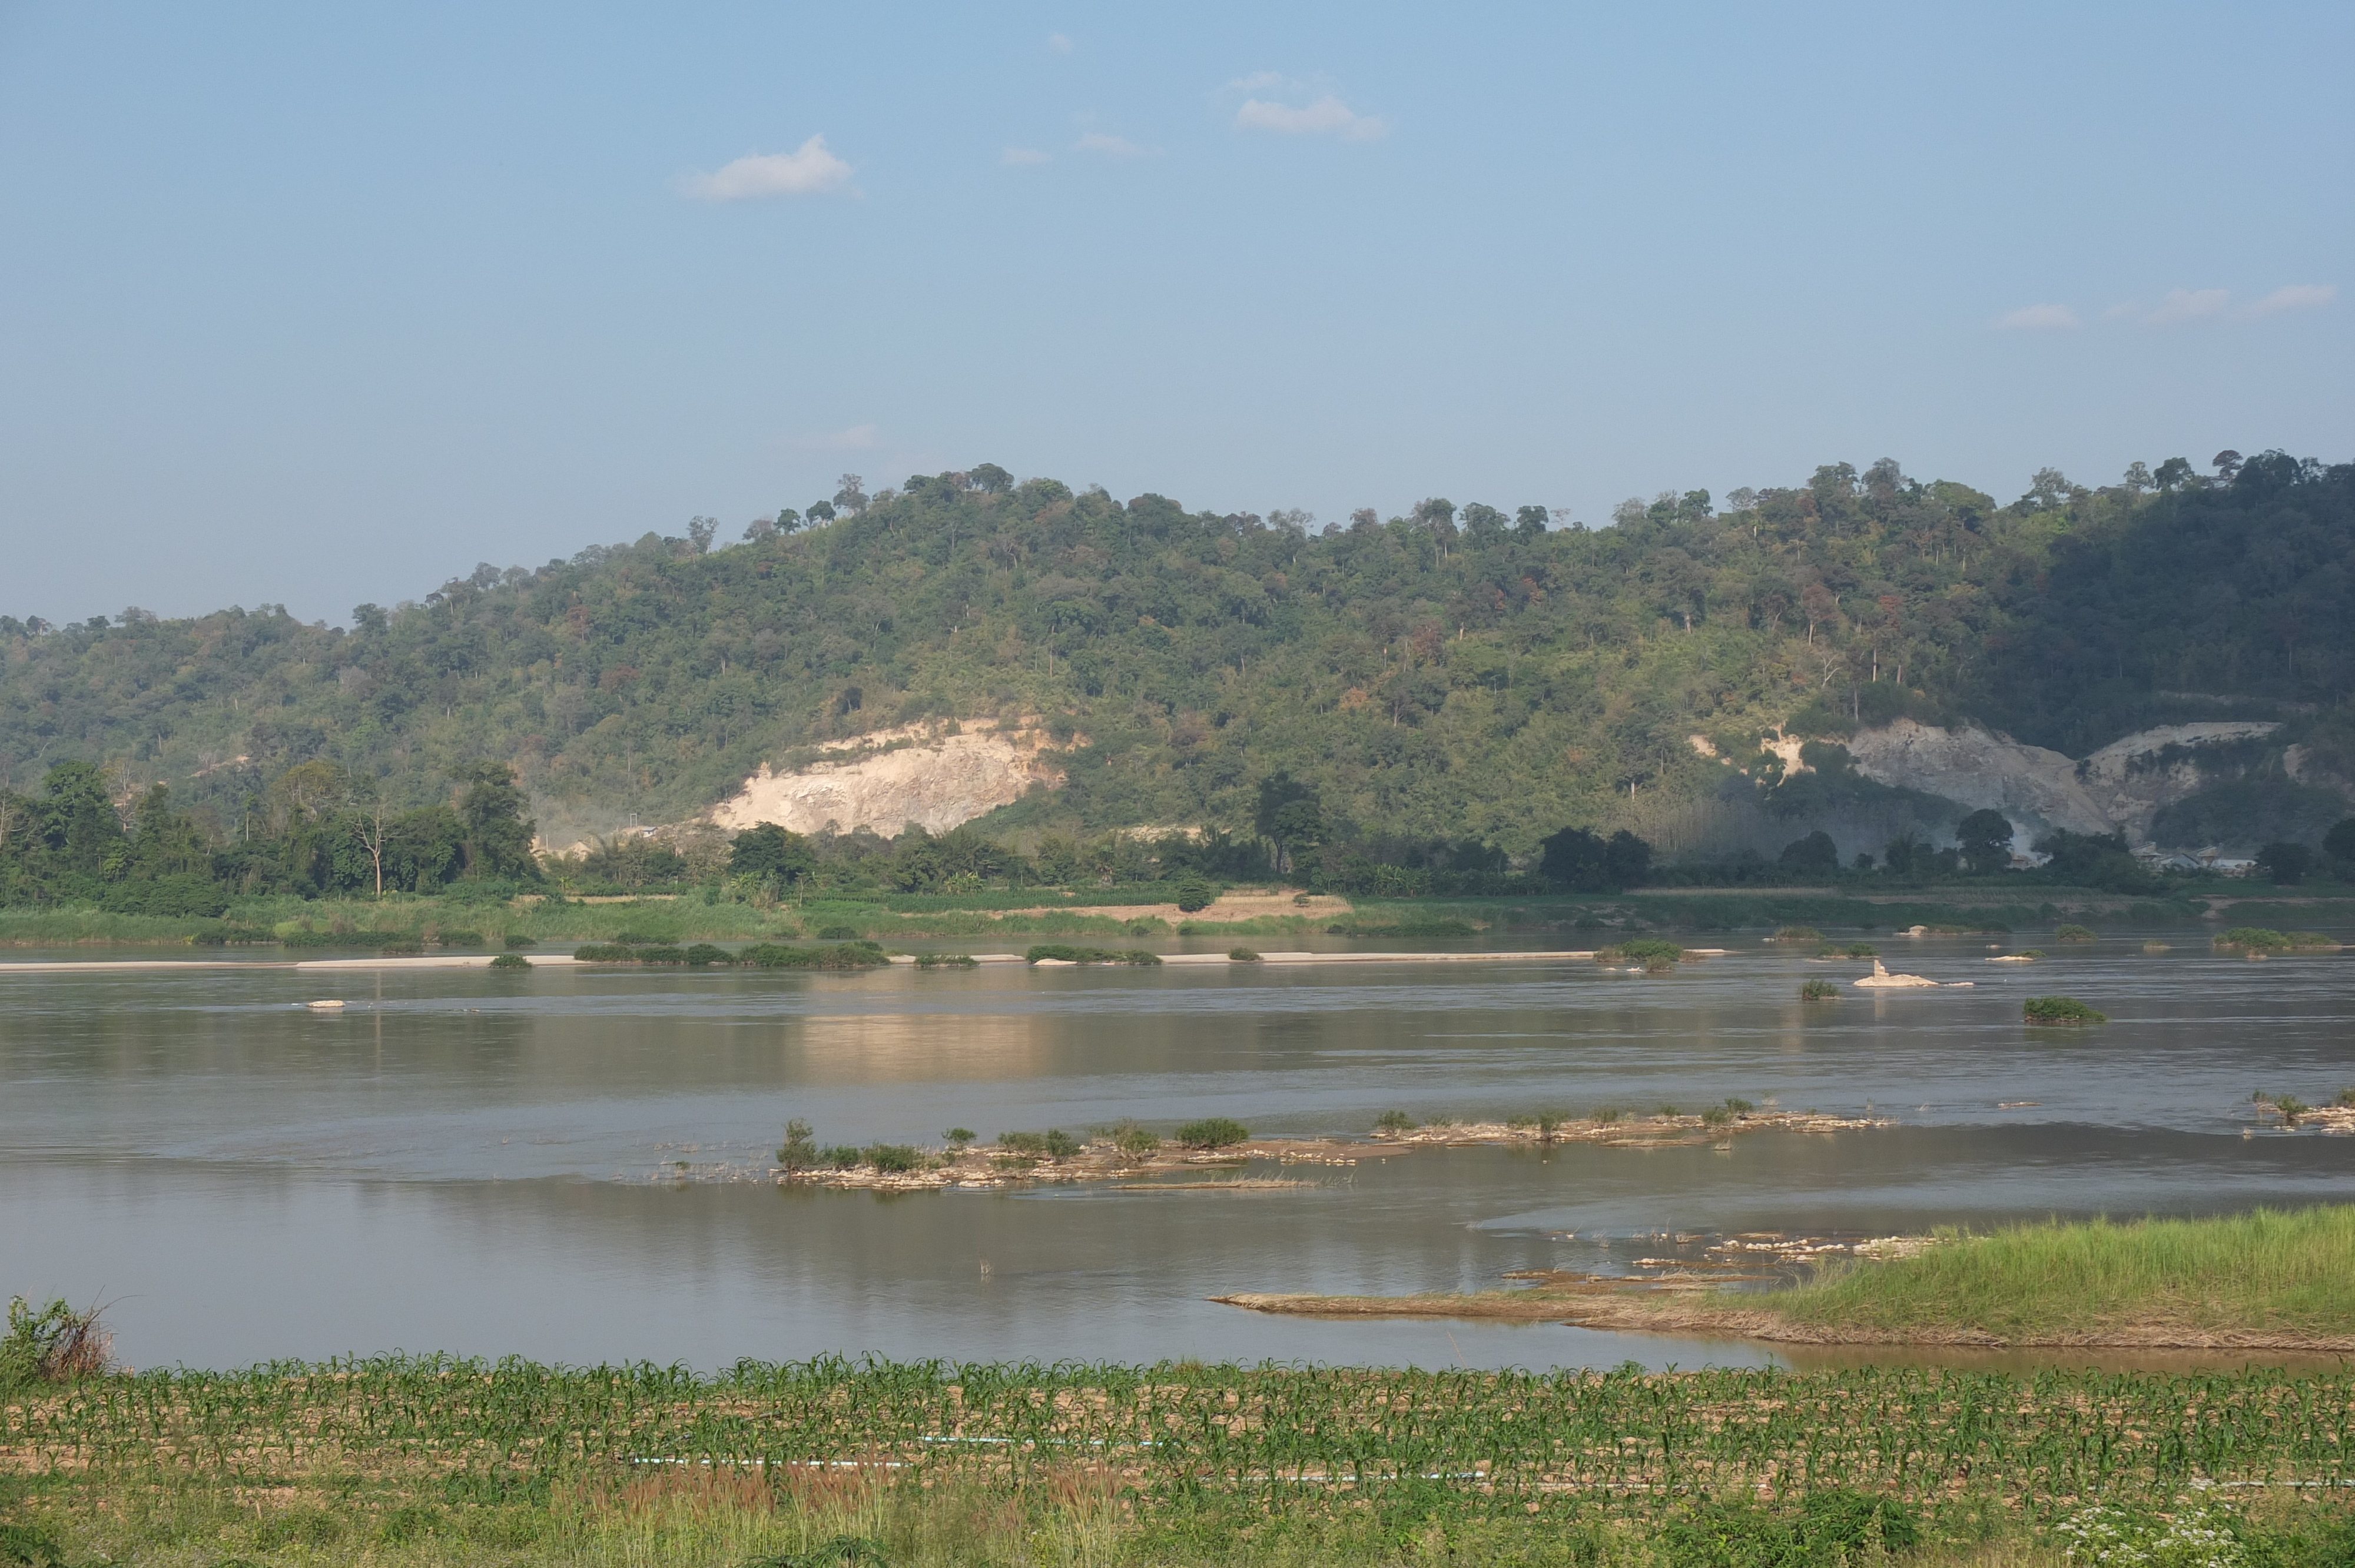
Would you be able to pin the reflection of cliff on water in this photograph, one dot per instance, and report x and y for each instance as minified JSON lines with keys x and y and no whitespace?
{"x":907,"y":1047}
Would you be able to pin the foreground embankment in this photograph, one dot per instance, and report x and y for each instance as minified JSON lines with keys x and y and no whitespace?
{"x":2262,"y":1281}
{"x":439,"y":1461}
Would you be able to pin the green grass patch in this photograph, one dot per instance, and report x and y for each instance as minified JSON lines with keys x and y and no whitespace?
{"x":2280,"y":1272}
{"x":1063,"y":953}
{"x":1819,"y":990}
{"x":1433,"y":928}
{"x":1128,"y":896}
{"x":1257,"y":926}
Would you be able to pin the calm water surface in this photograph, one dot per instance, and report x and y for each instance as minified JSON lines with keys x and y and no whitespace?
{"x":485,"y":1163}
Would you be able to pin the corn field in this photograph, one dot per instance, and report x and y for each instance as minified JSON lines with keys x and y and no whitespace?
{"x":1274,"y":1433}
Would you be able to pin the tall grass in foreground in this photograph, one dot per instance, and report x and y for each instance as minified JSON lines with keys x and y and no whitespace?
{"x":2281,"y":1271}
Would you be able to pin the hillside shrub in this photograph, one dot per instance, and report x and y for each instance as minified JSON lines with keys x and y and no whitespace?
{"x":893,"y":1159}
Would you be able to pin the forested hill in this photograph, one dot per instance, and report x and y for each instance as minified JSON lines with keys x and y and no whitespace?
{"x":1456,"y":672}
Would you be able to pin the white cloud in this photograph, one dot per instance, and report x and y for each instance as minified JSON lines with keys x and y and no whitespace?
{"x":1110,"y":146}
{"x":858,"y":439}
{"x":2189,"y":305}
{"x":1058,"y":43}
{"x":1025,"y":155}
{"x":2293,"y":297}
{"x":1327,"y":116}
{"x":2038,"y":318}
{"x":809,"y":170}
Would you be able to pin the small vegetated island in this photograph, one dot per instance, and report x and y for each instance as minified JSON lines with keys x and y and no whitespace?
{"x":1128,"y":1151}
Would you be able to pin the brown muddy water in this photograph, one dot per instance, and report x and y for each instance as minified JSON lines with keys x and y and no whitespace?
{"x":489,"y":1163}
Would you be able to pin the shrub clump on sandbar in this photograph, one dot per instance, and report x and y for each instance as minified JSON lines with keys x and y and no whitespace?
{"x":2256,"y":941}
{"x":1655,"y":954}
{"x":2060,"y":1010}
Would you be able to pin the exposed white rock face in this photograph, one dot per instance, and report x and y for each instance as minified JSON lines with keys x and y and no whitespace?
{"x":2125,"y":779}
{"x":938,"y":782}
{"x":2120,"y":788}
{"x":2038,"y":789}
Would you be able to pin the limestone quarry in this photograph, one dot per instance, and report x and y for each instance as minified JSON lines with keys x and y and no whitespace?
{"x":937,"y":778}
{"x":2119,"y":789}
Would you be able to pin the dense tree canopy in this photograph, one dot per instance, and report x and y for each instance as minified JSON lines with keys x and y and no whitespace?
{"x":1445,"y":675}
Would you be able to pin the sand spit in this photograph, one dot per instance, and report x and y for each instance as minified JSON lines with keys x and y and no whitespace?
{"x":1713,"y":1127}
{"x":1650,"y":1307}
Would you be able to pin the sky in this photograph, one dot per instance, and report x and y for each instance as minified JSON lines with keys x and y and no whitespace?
{"x":318,"y":305}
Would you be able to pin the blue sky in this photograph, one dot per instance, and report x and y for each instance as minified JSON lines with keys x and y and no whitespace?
{"x":320,"y":304}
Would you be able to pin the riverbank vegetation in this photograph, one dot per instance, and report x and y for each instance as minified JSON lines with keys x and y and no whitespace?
{"x":499,"y":915}
{"x":2270,"y":1274}
{"x":2271,"y":1279}
{"x":435,"y":1461}
{"x":1450,"y":702}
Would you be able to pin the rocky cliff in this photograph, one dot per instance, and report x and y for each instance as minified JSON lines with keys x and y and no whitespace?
{"x":935,"y":778}
{"x":2122,"y":788}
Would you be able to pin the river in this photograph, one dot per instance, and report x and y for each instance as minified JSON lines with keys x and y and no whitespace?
{"x":489,"y":1163}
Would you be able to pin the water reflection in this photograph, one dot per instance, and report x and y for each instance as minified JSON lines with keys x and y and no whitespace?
{"x":469,"y":1161}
